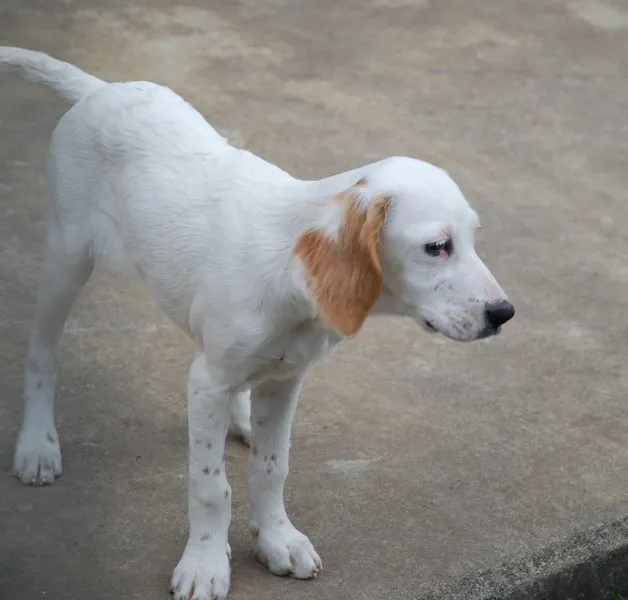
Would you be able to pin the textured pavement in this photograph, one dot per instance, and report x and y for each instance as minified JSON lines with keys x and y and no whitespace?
{"x":416,"y":461}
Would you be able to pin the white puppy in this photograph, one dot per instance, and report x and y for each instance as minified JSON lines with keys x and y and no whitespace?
{"x":266,"y":272}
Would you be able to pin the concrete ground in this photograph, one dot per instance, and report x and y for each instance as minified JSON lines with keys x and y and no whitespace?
{"x":416,"y":461}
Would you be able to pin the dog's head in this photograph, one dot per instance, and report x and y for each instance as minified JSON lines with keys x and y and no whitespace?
{"x":404,"y":230}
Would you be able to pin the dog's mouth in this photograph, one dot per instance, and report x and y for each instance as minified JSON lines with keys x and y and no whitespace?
{"x":429,"y":327}
{"x":488,"y":332}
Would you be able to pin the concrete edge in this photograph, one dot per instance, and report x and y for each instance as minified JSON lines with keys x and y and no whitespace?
{"x":590,"y":565}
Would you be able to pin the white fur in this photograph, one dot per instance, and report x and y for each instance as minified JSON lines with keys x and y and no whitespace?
{"x":137,"y":176}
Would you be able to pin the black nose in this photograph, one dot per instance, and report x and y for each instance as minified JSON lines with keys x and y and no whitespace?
{"x":497,"y":313}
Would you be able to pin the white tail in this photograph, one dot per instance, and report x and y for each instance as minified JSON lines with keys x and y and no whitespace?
{"x":67,"y":80}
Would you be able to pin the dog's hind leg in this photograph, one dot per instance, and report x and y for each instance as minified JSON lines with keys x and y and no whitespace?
{"x":241,"y":415}
{"x":67,"y":265}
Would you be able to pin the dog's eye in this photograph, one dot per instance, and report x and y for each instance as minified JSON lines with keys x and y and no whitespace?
{"x":435,"y":248}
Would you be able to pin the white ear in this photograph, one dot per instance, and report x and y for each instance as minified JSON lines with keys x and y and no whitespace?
{"x":344,"y":275}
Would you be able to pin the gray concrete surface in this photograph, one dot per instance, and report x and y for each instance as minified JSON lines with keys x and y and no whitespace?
{"x":589,"y":565}
{"x":417,"y":461}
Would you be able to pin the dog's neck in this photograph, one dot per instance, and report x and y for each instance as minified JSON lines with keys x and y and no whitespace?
{"x":293,"y":209}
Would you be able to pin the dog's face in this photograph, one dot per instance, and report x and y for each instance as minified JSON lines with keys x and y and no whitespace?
{"x":404,"y":229}
{"x":427,"y":253}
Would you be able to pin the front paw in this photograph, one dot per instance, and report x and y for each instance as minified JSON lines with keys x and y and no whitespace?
{"x":37,"y":459}
{"x":202,"y":574}
{"x":286,"y":551}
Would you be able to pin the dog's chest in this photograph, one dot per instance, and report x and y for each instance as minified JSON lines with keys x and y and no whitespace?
{"x":294,"y":351}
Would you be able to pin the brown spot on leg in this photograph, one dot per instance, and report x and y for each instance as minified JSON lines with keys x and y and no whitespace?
{"x":50,"y":438}
{"x":273,"y":457}
{"x":216,"y":471}
{"x":269,"y":469}
{"x":226,"y":493}
{"x":205,"y":537}
{"x":39,"y":384}
{"x":205,"y":470}
{"x":209,"y":445}
{"x":260,"y":422}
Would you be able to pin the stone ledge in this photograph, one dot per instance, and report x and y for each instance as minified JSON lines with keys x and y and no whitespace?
{"x":589,"y":565}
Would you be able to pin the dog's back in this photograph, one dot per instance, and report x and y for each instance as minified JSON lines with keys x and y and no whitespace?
{"x":133,"y":165}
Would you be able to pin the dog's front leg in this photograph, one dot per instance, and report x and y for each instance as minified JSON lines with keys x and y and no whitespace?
{"x":203,"y":571}
{"x":279,"y":545}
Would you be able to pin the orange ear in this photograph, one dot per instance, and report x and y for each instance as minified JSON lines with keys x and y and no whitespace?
{"x":345,"y":276}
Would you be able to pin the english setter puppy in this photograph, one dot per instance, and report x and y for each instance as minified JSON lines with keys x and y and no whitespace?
{"x":267,"y":273}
